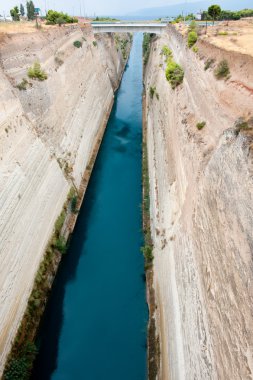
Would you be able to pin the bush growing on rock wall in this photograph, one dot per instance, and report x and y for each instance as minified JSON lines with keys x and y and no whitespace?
{"x":192,"y":38}
{"x":122,"y":44}
{"x":36,"y":72}
{"x":209,"y":63}
{"x":166,"y":52}
{"x":77,"y":44}
{"x":59,"y":222}
{"x":152,"y":91}
{"x":61,"y":244}
{"x":222,"y":33}
{"x":22,"y":86}
{"x":20,"y":367}
{"x":123,"y":47}
{"x":195,"y":49}
{"x":146,"y":47}
{"x":222,"y":70}
{"x":148,"y":255}
{"x":174,"y":74}
{"x":73,"y":204}
{"x":192,"y":26}
{"x":200,"y":125}
{"x":95,"y":43}
{"x":242,"y":124}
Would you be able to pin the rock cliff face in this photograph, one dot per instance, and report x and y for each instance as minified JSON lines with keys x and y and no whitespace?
{"x":201,"y":212}
{"x":47,"y":136}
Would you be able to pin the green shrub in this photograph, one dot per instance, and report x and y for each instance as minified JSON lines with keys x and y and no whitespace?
{"x":192,"y":38}
{"x":166,"y":52}
{"x":208,"y":63}
{"x":73,"y":204}
{"x":243,"y":124}
{"x":59,"y":222}
{"x":20,"y":367}
{"x":222,"y":33}
{"x":195,"y":49}
{"x":60,"y":21}
{"x":95,"y":43}
{"x":174,"y":74}
{"x":54,"y":17}
{"x":61,"y":244}
{"x":77,"y":44}
{"x":192,"y":26}
{"x":123,"y":47}
{"x":36,"y":72}
{"x":152,"y":91}
{"x":148,"y":253}
{"x":146,"y":47}
{"x":201,"y":125}
{"x":22,"y":86}
{"x":222,"y":70}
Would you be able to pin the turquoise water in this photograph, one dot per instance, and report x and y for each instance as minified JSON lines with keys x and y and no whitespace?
{"x":95,"y":323}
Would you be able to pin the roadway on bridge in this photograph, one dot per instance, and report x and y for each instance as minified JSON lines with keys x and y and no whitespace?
{"x":122,"y":27}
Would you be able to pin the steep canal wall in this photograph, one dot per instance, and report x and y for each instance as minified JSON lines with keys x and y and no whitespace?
{"x":201,"y":210}
{"x":97,"y":309}
{"x":50,"y":131}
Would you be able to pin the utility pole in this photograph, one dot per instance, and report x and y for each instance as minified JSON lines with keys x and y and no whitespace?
{"x":83,"y":8}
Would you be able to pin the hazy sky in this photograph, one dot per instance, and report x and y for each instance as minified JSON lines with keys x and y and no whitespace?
{"x":100,"y":7}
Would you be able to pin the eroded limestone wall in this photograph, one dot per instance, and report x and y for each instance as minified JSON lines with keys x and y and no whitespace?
{"x":47,"y":136}
{"x":201,"y":213}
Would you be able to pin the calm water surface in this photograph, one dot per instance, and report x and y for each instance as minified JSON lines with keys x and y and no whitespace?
{"x":95,"y":323}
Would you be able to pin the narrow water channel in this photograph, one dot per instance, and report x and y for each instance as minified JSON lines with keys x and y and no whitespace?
{"x":95,"y":323}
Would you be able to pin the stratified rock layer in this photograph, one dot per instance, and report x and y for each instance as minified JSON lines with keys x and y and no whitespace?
{"x":201,"y":212}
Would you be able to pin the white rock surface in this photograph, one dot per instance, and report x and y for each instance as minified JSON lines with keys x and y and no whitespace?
{"x":201,"y":215}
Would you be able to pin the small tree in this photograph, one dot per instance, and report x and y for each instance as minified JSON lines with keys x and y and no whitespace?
{"x":22,"y":10}
{"x":15,"y":14}
{"x":60,"y":21}
{"x":30,"y":10}
{"x":192,"y":38}
{"x":214,"y":11}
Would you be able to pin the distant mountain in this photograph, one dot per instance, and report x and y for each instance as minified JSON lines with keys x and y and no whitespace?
{"x":176,"y":9}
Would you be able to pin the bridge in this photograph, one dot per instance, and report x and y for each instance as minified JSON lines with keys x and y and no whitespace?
{"x":130,"y":27}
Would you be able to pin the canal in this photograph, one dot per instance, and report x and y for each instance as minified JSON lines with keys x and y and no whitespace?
{"x":94,"y":326}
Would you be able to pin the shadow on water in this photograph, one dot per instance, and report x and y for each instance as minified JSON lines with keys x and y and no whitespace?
{"x":52,"y":322}
{"x":94,"y":327}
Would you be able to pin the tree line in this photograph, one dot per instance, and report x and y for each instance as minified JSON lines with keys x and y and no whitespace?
{"x":18,"y":11}
{"x":221,"y":14}
{"x":52,"y":17}
{"x":215,"y":12}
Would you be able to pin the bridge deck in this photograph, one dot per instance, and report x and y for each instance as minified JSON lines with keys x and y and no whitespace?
{"x":122,"y":27}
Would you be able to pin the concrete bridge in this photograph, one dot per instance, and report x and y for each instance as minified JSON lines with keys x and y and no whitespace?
{"x":130,"y":27}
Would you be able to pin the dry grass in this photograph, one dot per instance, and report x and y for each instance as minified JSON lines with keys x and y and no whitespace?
{"x":233,"y":36}
{"x":21,"y":27}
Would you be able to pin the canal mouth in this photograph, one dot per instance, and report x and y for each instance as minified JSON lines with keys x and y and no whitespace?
{"x":96,"y":318}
